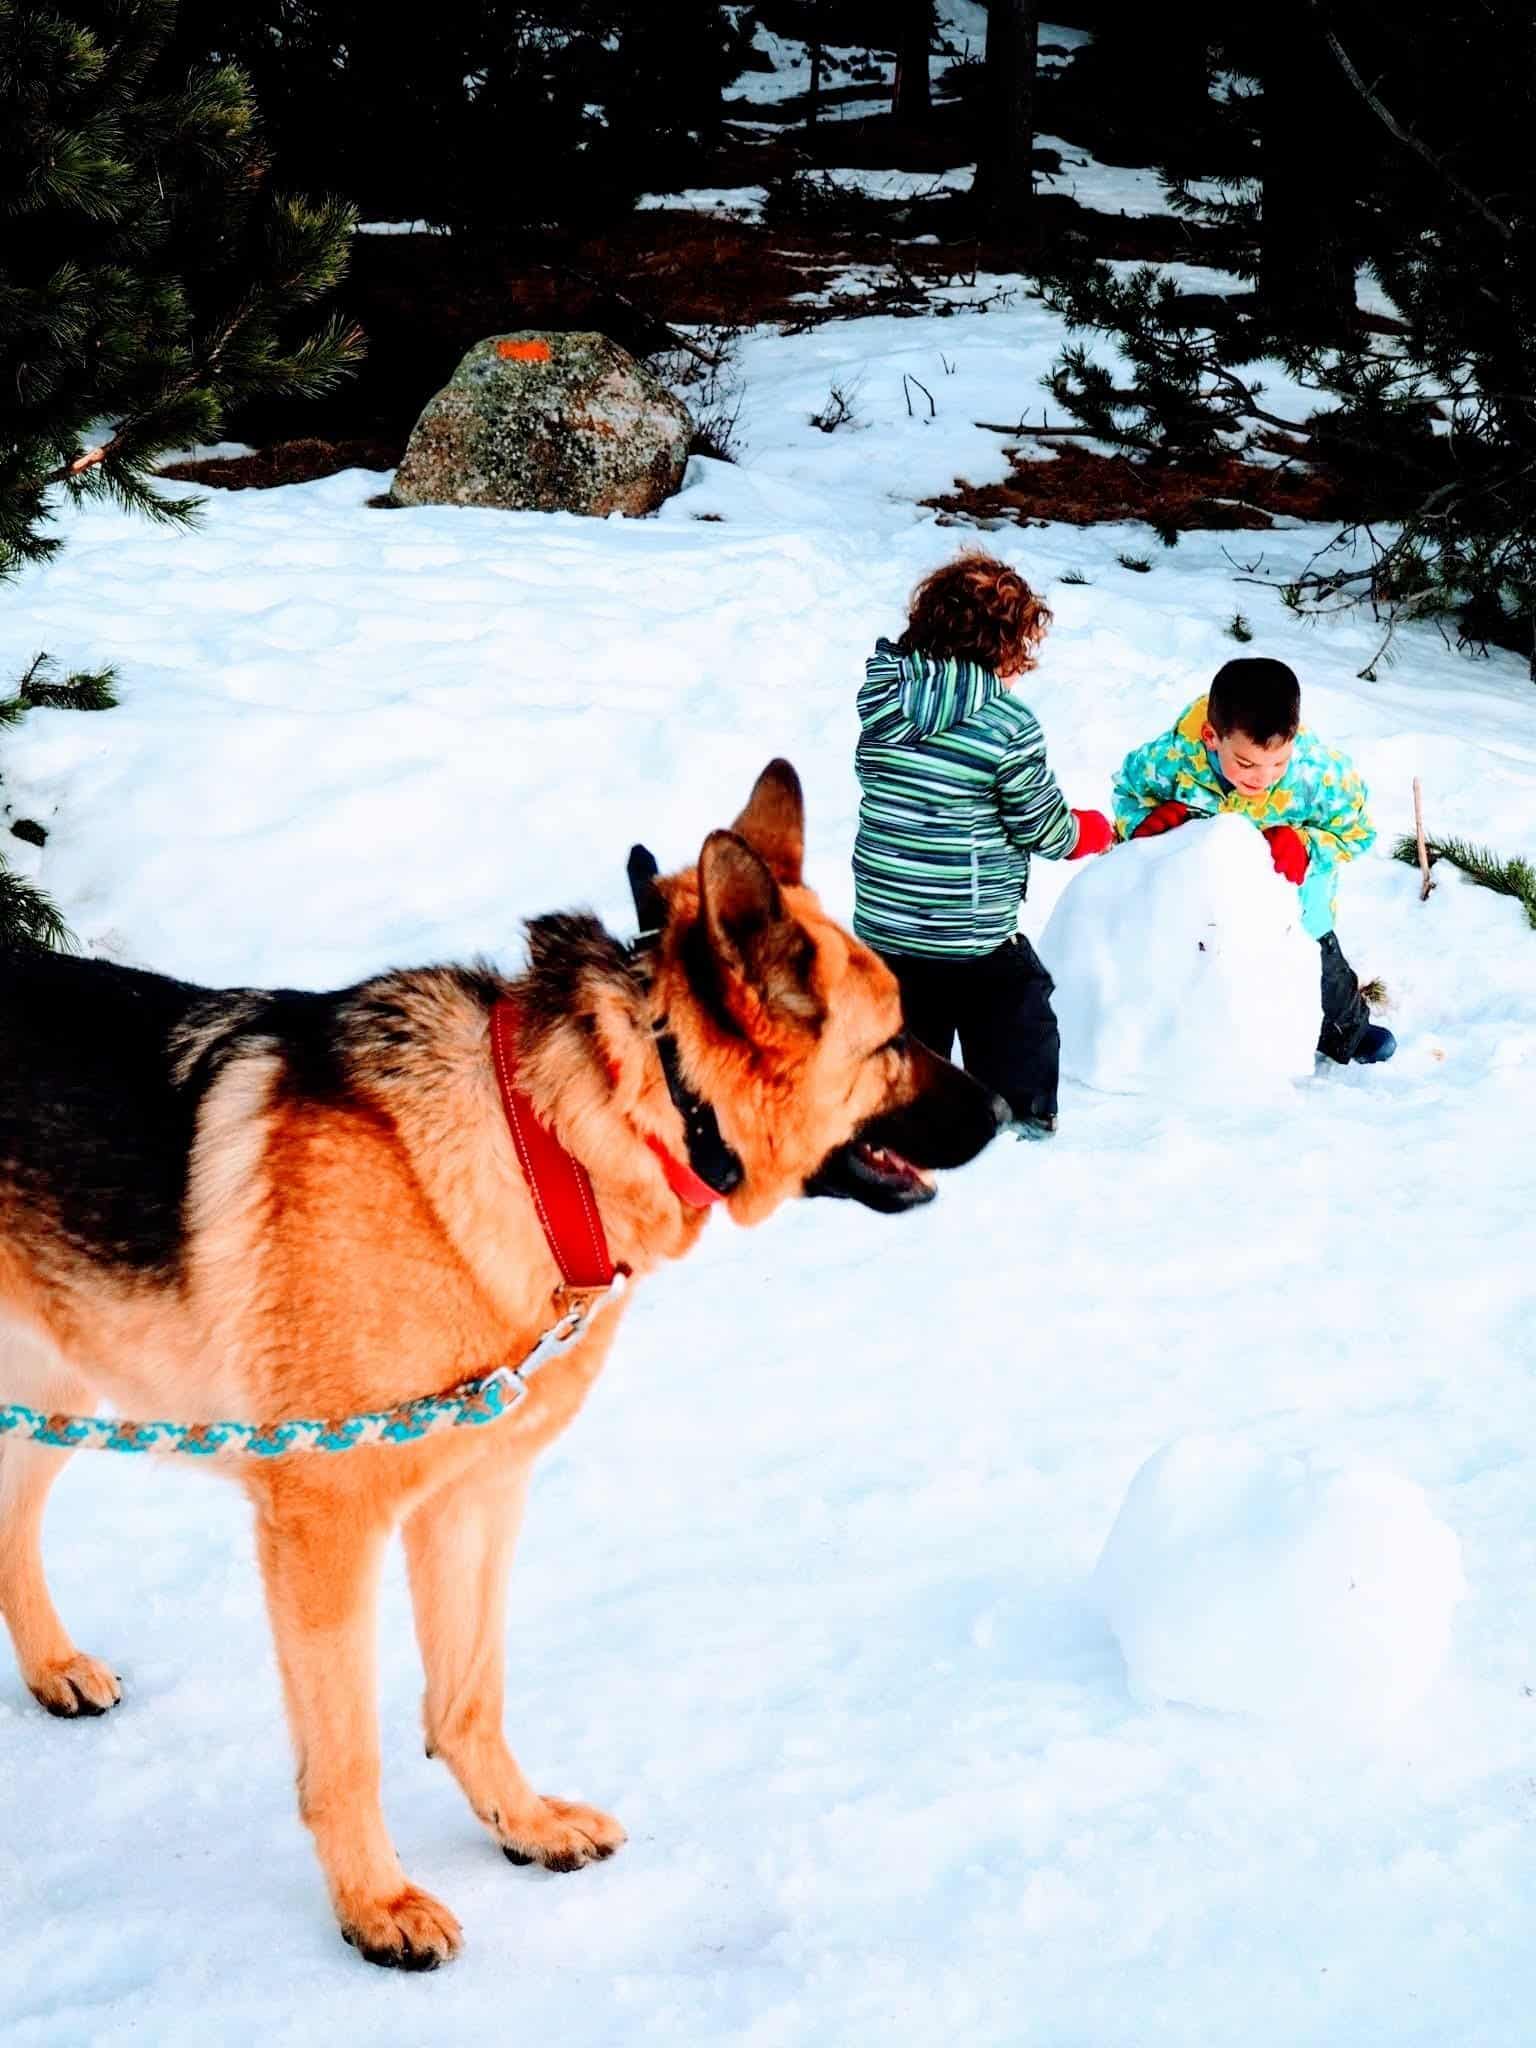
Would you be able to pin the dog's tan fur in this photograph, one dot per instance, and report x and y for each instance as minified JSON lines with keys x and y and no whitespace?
{"x":345,"y":1255}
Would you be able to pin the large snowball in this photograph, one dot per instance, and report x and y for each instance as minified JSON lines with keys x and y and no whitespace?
{"x":1248,"y":1582}
{"x":1181,"y":966}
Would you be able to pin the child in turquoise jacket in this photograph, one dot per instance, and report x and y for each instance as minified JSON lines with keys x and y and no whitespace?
{"x":1243,"y":748}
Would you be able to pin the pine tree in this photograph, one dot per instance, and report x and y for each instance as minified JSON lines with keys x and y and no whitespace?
{"x":148,"y":283}
{"x":1004,"y":182}
{"x":496,"y":118}
{"x":912,"y":100}
{"x":1433,"y":426}
{"x":671,"y":68}
{"x":148,"y":280}
{"x":26,"y":915}
{"x":1139,"y":92}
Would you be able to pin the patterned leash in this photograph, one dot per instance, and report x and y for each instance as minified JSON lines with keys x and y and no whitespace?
{"x":469,"y":1405}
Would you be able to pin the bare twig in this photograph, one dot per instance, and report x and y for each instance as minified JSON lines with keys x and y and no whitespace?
{"x":1250,"y":404}
{"x":1244,"y":504}
{"x":1247,"y":568}
{"x":1418,"y":833}
{"x":908,"y":379}
{"x":1018,"y":427}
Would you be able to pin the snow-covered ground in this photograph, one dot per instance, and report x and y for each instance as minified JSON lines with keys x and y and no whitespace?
{"x":790,"y":75}
{"x":745,"y":202}
{"x":806,"y":1596}
{"x":731,"y":202}
{"x":1110,"y":188}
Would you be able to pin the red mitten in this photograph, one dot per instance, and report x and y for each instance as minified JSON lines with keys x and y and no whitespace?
{"x":1095,"y":834}
{"x":1163,"y":819}
{"x":1288,"y":851}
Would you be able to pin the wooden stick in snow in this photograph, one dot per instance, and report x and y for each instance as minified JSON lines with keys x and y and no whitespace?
{"x":1418,"y":833}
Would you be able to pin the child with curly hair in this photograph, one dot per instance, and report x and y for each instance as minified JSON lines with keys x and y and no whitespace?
{"x":957,"y":797}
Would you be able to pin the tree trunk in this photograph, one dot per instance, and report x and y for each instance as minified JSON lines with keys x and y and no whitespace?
{"x":912,"y":101}
{"x":813,"y":98}
{"x":1004,"y":184}
{"x":1306,"y":264}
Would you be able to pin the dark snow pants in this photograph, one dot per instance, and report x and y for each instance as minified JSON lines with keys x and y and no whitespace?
{"x":1345,"y":1013}
{"x":999,"y":1005}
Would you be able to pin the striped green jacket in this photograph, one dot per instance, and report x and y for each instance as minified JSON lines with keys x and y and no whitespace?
{"x":957,"y":796}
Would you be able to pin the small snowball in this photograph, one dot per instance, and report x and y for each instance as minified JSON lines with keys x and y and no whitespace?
{"x":1280,"y":1586}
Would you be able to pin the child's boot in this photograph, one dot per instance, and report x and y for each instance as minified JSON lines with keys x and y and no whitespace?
{"x":1376,"y":1044}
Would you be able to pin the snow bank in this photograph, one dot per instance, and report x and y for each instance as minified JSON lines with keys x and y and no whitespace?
{"x":1247,"y":1582}
{"x":1181,"y":967}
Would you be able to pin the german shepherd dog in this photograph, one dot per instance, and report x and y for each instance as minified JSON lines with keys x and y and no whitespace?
{"x":268,"y":1204}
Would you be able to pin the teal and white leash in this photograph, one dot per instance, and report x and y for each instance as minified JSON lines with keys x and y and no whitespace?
{"x":468,"y":1406}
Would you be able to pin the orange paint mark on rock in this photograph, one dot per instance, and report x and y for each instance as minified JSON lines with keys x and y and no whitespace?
{"x":523,"y":351}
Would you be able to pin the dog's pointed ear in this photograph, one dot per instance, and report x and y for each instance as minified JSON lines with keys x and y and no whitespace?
{"x":650,"y":905}
{"x":773,"y":823}
{"x":753,"y":938}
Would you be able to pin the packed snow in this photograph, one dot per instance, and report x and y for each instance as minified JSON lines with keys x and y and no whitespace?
{"x":1111,"y":188}
{"x":1245,"y":1581}
{"x":730,"y":202}
{"x":807,"y":1595}
{"x":789,"y":73}
{"x":1181,"y":968}
{"x":745,"y":202}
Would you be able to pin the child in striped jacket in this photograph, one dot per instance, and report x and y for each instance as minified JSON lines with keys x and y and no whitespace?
{"x":957,"y":797}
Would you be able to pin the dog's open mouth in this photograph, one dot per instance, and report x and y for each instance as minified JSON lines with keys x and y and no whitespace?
{"x":875,"y":1175}
{"x":887,"y":1169}
{"x":887,"y":1164}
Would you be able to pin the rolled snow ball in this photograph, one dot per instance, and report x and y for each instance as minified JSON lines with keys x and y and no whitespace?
{"x":1181,"y":967}
{"x":1243,"y":1581}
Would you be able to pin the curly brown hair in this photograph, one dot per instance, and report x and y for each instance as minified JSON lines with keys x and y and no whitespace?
{"x":976,"y":609}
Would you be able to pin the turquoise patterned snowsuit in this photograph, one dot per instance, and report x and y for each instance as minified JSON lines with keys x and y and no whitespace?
{"x":1320,"y":796}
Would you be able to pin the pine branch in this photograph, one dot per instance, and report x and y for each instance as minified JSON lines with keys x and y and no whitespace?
{"x":1514,"y":877}
{"x":85,"y":690}
{"x":27,"y":918}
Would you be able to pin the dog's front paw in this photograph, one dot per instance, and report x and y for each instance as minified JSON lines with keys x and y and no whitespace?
{"x":411,"y":1931}
{"x":75,"y":1688}
{"x":559,"y":1833}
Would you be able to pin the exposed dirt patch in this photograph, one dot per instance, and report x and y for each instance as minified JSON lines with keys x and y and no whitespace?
{"x":424,"y":300}
{"x":287,"y":462}
{"x":1082,"y":488}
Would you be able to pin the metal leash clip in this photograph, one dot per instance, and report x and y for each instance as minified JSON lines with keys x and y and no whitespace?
{"x":580,"y":1308}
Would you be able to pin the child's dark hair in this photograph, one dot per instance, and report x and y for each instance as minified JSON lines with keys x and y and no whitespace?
{"x":1256,"y":696}
{"x":976,"y":609}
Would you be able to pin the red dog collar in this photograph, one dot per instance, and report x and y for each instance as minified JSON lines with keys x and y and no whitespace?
{"x":682,"y":1179}
{"x":560,"y":1185}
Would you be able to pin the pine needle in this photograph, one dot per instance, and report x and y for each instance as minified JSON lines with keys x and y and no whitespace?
{"x":1513,"y":877}
{"x":27,"y":917}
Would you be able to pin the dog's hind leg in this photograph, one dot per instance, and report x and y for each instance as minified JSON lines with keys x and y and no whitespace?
{"x":60,"y":1677}
{"x":458,"y":1547}
{"x":320,"y":1552}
